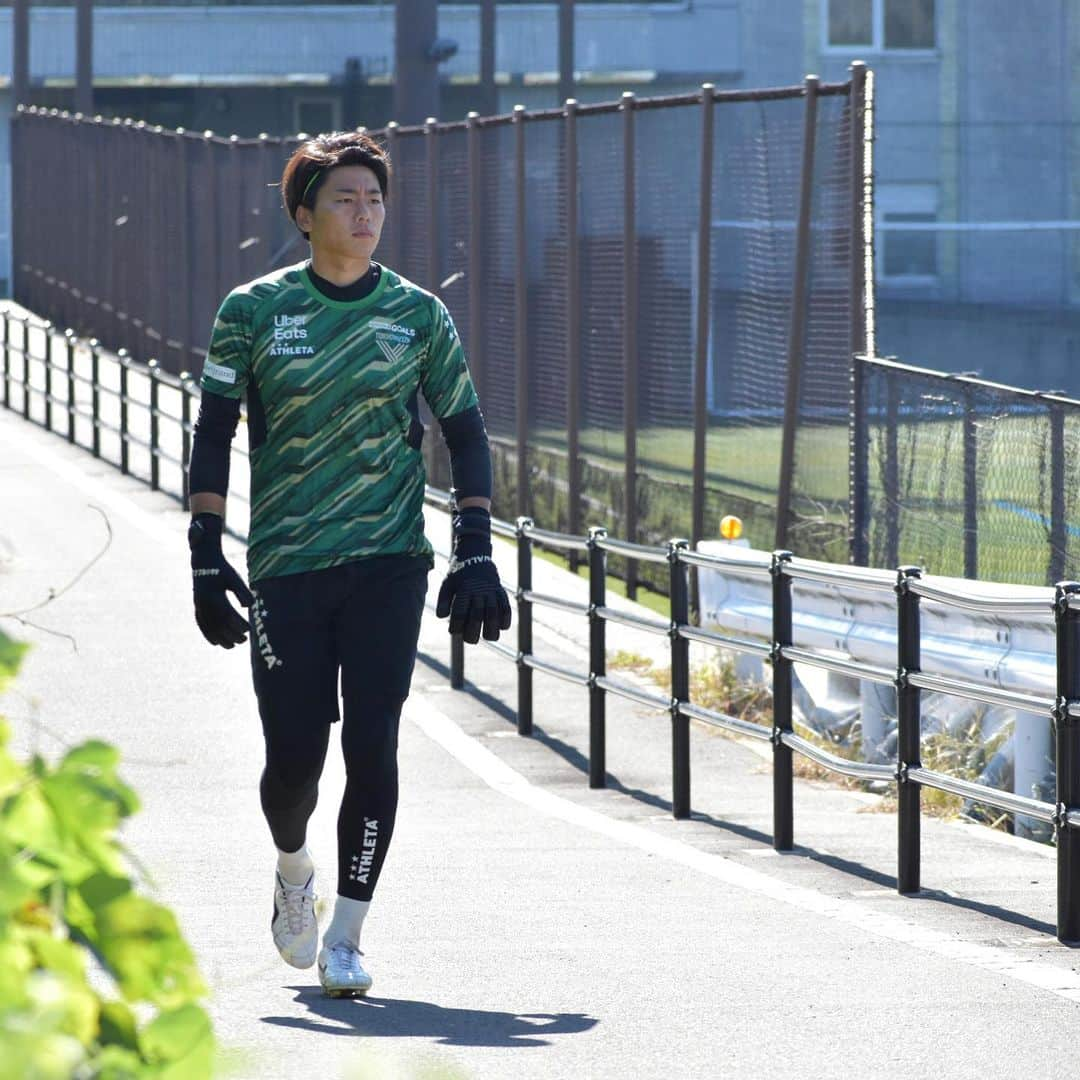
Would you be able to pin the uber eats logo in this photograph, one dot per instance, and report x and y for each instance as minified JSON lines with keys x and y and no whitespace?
{"x":290,"y":336}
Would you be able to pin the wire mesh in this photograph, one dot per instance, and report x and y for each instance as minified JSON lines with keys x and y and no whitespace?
{"x":756,"y":169}
{"x":819,"y":528}
{"x":409,"y":209}
{"x":600,"y":181}
{"x":972,"y":479}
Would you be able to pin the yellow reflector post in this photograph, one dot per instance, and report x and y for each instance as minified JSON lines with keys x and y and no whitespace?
{"x":730,"y":527}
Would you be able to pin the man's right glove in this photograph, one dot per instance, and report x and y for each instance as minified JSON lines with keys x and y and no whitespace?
{"x":471,"y":594}
{"x":212,"y":577}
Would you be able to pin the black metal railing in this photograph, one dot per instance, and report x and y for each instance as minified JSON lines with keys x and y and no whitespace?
{"x":29,"y":390}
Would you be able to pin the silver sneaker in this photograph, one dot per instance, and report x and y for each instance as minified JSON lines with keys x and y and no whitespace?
{"x":294,"y":926}
{"x":341,"y":973}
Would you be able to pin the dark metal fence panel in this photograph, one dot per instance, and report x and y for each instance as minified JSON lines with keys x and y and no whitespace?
{"x":174,"y":220}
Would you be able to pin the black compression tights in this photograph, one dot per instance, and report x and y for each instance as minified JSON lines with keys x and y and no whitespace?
{"x":361,"y":620}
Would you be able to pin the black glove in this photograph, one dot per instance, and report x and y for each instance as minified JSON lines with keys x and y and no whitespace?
{"x":220,"y":623}
{"x":472,"y":594}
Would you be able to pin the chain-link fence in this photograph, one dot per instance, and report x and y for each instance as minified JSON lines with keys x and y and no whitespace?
{"x":970,"y":478}
{"x":651,"y":290}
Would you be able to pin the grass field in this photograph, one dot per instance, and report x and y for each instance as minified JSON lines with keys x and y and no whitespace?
{"x":742,"y":469}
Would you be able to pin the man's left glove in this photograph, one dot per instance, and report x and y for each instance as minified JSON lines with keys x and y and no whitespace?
{"x":472,"y":594}
{"x":212,"y":577}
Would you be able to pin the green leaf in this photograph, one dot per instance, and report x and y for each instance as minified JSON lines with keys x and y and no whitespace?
{"x":11,"y":654}
{"x":117,"y":1063}
{"x":94,"y":754}
{"x":181,"y":1041}
{"x":141,"y":945}
{"x":63,"y":1004}
{"x":118,"y":1025}
{"x":59,"y":954}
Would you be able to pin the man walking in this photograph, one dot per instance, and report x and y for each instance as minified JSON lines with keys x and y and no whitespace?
{"x":331,"y":355}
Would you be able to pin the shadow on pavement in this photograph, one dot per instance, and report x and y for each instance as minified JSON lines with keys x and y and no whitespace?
{"x":396,"y":1017}
{"x":575,"y":758}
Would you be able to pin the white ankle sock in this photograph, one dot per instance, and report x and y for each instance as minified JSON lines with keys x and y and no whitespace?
{"x":295,"y":866}
{"x":347,"y":922}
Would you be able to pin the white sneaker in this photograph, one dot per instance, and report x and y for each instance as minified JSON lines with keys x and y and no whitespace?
{"x":340,"y":971}
{"x":294,"y":926}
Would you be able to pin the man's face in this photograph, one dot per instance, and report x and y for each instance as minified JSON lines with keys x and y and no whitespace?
{"x":348,"y":214}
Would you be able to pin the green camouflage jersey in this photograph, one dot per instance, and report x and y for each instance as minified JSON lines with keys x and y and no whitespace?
{"x":336,"y":469}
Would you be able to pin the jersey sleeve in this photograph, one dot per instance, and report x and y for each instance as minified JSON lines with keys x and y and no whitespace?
{"x":227,"y":367}
{"x":445,"y":379}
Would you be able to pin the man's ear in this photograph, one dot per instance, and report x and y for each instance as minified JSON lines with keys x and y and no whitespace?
{"x":303,"y":219}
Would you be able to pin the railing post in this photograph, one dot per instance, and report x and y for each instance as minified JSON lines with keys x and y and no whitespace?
{"x":783,"y":811}
{"x":597,"y":659}
{"x":185,"y":438}
{"x":125,"y":457}
{"x":69,"y":336}
{"x":908,"y":729}
{"x":155,"y":427}
{"x":679,"y":583}
{"x":477,"y":337}
{"x":48,"y":375}
{"x":7,"y":360}
{"x":859,"y":463}
{"x":95,"y":395}
{"x":26,"y":369}
{"x":457,"y":642}
{"x":971,"y":489}
{"x":1067,"y":748}
{"x":524,"y":625}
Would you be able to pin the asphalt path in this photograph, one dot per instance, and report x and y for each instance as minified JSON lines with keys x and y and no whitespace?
{"x":525,"y":925}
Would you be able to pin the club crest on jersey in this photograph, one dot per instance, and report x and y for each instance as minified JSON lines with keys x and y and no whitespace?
{"x":392,"y":338}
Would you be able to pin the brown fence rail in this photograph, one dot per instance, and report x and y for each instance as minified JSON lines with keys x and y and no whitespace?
{"x":650,"y":289}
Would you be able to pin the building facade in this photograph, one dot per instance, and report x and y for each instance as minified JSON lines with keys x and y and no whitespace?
{"x":977,"y":155}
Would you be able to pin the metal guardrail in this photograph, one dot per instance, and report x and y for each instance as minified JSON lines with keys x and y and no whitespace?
{"x":29,"y":384}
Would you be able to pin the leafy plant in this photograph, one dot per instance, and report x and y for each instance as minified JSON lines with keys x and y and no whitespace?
{"x":96,"y":980}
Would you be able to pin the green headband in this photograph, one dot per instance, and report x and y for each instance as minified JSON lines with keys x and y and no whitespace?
{"x":314,"y":176}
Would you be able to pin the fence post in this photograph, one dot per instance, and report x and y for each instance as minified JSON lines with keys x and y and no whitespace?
{"x":892,"y":469}
{"x":48,"y":375}
{"x":69,"y":336}
{"x":630,"y":337}
{"x":95,"y":396}
{"x":908,"y":728}
{"x":155,"y":427}
{"x":679,"y":585}
{"x":524,"y":624}
{"x":521,"y":301}
{"x":971,"y":489}
{"x":573,"y":330}
{"x":1059,"y":533}
{"x":185,"y":439}
{"x":703,"y":315}
{"x":597,"y":659}
{"x":431,"y":146}
{"x":783,"y":812}
{"x":797,"y":324}
{"x":477,"y":364}
{"x":125,"y":458}
{"x":1067,"y":747}
{"x":859,"y":464}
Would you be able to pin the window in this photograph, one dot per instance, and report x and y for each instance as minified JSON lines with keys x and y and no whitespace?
{"x":907,"y":233}
{"x":879,"y":24}
{"x":315,"y":115}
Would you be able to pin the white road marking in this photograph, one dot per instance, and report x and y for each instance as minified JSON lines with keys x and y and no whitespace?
{"x":500,"y":776}
{"x":116,"y":501}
